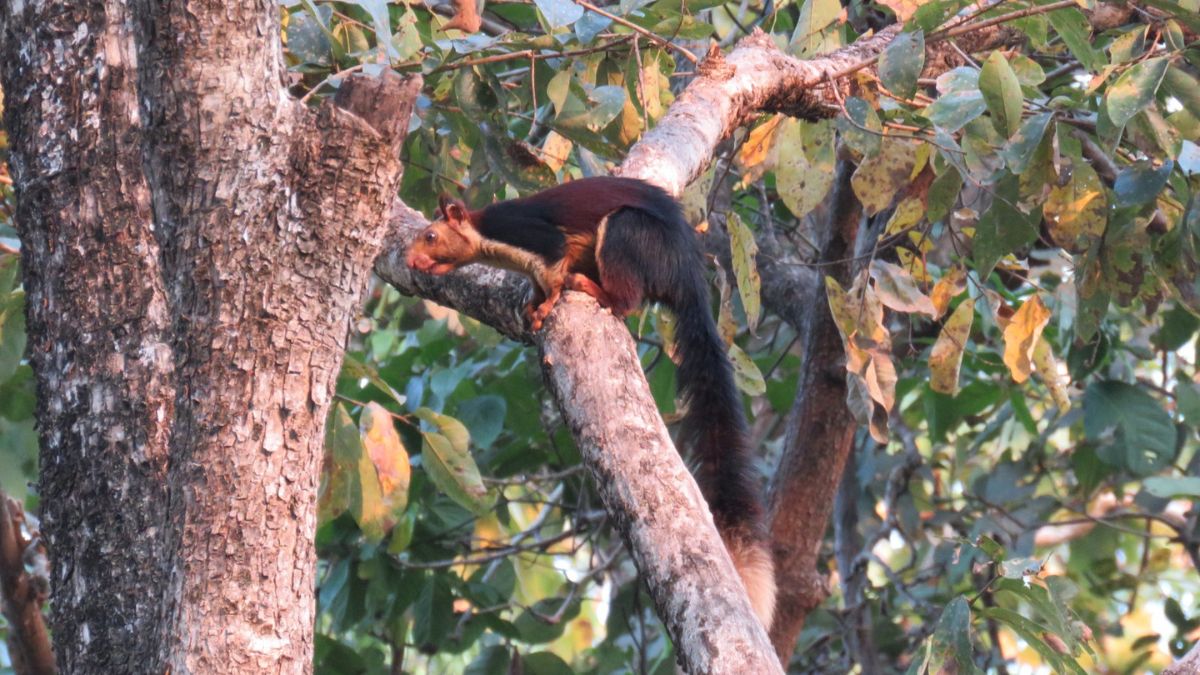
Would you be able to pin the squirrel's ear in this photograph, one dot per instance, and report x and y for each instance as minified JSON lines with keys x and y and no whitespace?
{"x":453,"y":210}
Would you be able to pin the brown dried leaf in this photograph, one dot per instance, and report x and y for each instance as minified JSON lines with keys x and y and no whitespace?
{"x":950,"y":286}
{"x":1021,"y":336}
{"x":946,"y":358}
{"x":898,"y":290}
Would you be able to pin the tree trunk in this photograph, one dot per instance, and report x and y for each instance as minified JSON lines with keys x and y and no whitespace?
{"x":819,"y":436}
{"x":194,"y":245}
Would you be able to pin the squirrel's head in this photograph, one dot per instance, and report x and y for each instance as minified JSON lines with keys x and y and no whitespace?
{"x":449,"y":242}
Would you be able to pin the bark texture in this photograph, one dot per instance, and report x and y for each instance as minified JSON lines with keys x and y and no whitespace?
{"x":98,"y":323}
{"x":195,"y":244}
{"x":818,"y":438}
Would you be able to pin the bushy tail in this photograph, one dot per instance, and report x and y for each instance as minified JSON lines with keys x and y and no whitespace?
{"x":655,"y":254}
{"x":714,"y":428}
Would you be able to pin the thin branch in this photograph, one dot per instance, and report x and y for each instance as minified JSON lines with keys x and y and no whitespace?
{"x":639,"y":30}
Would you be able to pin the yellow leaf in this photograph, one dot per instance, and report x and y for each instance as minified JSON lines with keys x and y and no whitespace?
{"x":752,"y":156}
{"x":743,"y":249}
{"x":907,"y":214}
{"x":746,"y":373}
{"x":1076,"y":213}
{"x":904,"y":9}
{"x":946,"y":358}
{"x":914,"y":264}
{"x":557,"y":148}
{"x":952,"y":283}
{"x":650,"y":84}
{"x":1021,"y":336}
{"x":877,"y":179}
{"x":695,"y":198}
{"x":387,"y":453}
{"x":871,"y":375}
{"x":1047,"y":368}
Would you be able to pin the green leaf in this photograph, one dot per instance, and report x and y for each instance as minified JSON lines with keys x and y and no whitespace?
{"x":860,"y":126}
{"x":1033,"y":633}
{"x":816,"y":16}
{"x":433,"y":614}
{"x":1029,"y":72}
{"x":1076,"y":32}
{"x":1143,"y":437}
{"x":484,"y":417}
{"x":943,"y":194}
{"x":1002,"y":229}
{"x":515,"y":162}
{"x":950,"y":646}
{"x":953,"y":110}
{"x":1002,"y":92}
{"x":381,"y":22}
{"x":1170,"y":487}
{"x":532,"y":624}
{"x":492,"y":660}
{"x":743,"y":248}
{"x":10,"y":273}
{"x":901,"y":63}
{"x":559,"y":13}
{"x":18,"y":395}
{"x":558,"y":88}
{"x":545,"y":663}
{"x":1134,"y":90}
{"x":449,"y":463}
{"x":1128,"y":46}
{"x":1187,"y":398}
{"x":1023,"y":146}
{"x":407,"y":40}
{"x":806,"y":161}
{"x":355,"y":369}
{"x":1178,"y":328}
{"x":1141,"y":182}
{"x":1184,"y":87}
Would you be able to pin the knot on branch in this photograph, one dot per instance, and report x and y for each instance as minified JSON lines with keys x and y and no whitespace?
{"x":714,"y":66}
{"x":757,"y":38}
{"x":385,"y":102}
{"x":801,"y":103}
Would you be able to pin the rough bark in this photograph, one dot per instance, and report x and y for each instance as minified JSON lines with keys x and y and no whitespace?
{"x":648,"y":490}
{"x":194,"y":245}
{"x":818,"y":438}
{"x":98,"y":326}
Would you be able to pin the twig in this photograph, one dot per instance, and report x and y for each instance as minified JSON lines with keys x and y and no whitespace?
{"x":638,"y":29}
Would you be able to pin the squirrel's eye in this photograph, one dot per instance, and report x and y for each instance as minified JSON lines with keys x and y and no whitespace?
{"x":430,"y":237}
